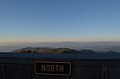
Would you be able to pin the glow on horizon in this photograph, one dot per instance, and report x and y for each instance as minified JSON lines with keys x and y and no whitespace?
{"x":43,"y":39}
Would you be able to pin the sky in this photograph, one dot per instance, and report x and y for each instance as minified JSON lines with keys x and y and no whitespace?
{"x":59,"y":20}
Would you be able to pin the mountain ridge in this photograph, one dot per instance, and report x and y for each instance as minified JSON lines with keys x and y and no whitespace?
{"x":96,"y":46}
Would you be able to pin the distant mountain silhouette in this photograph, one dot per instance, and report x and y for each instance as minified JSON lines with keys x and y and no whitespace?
{"x":43,"y":50}
{"x":47,"y":50}
{"x":95,"y":46}
{"x":84,"y":51}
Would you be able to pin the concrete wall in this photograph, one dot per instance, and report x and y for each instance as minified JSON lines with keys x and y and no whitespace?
{"x":84,"y":66}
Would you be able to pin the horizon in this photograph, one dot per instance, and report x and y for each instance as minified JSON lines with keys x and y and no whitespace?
{"x":64,"y":42}
{"x":96,"y":46}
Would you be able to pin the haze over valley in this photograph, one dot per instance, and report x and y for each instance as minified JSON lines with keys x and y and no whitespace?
{"x":95,"y":46}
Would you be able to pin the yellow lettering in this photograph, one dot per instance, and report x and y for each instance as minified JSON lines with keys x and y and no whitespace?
{"x":61,"y":68}
{"x":56,"y":69}
{"x":43,"y":67}
{"x":47,"y":68}
{"x":52,"y":68}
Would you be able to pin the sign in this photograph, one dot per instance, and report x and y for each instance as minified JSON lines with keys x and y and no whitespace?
{"x":52,"y":68}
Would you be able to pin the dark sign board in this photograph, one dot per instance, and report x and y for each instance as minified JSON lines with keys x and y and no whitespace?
{"x":52,"y":68}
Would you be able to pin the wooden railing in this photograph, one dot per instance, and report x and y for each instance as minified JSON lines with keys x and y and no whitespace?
{"x":83,"y":66}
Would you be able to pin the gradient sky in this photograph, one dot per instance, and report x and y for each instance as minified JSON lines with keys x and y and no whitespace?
{"x":59,"y":20}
